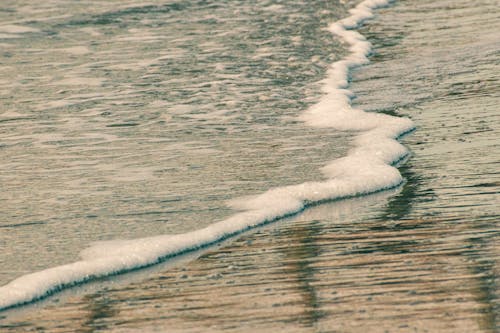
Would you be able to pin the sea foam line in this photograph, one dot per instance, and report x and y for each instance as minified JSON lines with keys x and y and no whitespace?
{"x":367,"y":168}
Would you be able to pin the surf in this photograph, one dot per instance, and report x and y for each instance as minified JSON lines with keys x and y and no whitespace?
{"x":370,"y":166}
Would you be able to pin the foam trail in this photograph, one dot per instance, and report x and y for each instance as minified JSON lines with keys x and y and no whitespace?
{"x":366,"y":169}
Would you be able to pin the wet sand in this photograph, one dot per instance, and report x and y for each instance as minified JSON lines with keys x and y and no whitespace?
{"x":321,"y":271}
{"x":425,"y":258}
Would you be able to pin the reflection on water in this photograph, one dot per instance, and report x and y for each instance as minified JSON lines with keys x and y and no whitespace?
{"x":401,"y":205}
{"x":99,"y":308}
{"x":298,"y":259}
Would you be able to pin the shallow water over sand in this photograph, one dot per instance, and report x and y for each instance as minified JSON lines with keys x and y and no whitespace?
{"x":122,"y":120}
{"x":422,"y":259}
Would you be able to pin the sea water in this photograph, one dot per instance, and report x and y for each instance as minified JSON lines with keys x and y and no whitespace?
{"x":137,"y":121}
{"x":388,"y":93}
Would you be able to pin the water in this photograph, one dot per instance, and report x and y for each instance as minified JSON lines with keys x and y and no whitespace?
{"x":125,"y":122}
{"x":424,"y":258}
{"x":367,"y":168}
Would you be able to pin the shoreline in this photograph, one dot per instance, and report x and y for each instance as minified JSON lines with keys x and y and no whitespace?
{"x":424,"y":258}
{"x":367,"y":168}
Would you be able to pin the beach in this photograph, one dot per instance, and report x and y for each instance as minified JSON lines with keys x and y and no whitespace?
{"x":421,"y":257}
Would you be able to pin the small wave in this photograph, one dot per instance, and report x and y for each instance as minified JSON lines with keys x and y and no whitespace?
{"x":367,"y":168}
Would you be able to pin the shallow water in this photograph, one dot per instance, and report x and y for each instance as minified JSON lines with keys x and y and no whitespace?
{"x":423,"y":259}
{"x":122,"y":121}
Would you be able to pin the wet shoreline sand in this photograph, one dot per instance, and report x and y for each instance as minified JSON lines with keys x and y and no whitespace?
{"x":320,"y":271}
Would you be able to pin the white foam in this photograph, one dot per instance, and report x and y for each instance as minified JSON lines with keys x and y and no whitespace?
{"x":366,"y":169}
